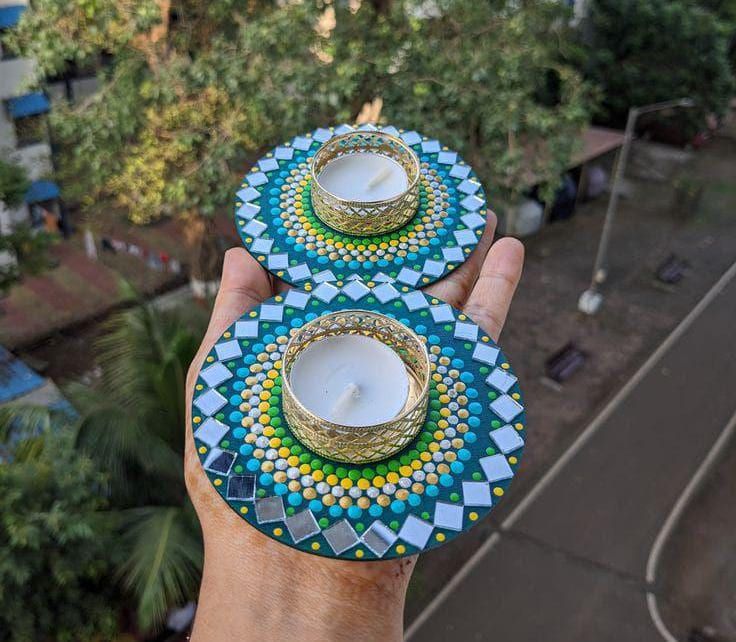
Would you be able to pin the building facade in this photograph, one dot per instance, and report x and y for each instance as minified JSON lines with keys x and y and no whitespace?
{"x":24,"y":132}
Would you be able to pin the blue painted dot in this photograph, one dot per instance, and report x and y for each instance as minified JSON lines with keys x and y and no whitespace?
{"x":354,"y":512}
{"x":467,"y":377}
{"x":471,"y":393}
{"x":473,"y":422}
{"x":235,"y":400}
{"x":433,"y":339}
{"x":246,"y":449}
{"x":311,"y":316}
{"x":259,"y":347}
{"x":448,"y":351}
{"x":457,"y":467}
{"x":243,"y":372}
{"x":294,"y":499}
{"x":421,"y":329}
{"x":335,"y":510}
{"x":239,"y":433}
{"x":250,"y":359}
{"x":463,"y":454}
{"x":297,"y":323}
{"x":239,"y":385}
{"x":282,"y":329}
{"x":280,"y":489}
{"x":253,"y":465}
{"x":266,"y":479}
{"x":269,"y":338}
{"x":375,"y":510}
{"x":446,"y":480}
{"x":235,"y":416}
{"x":397,"y":506}
{"x":475,"y":408}
{"x":471,"y":437}
{"x":316,"y":506}
{"x":432,"y":491}
{"x":414,"y":499}
{"x":458,"y":363}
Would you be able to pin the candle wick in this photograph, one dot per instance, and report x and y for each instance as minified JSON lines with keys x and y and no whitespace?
{"x":381,"y":176}
{"x":346,"y":397}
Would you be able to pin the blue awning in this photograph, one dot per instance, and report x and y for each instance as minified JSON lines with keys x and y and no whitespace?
{"x":28,"y":105}
{"x":16,"y":378}
{"x":42,"y":191}
{"x":9,"y":16}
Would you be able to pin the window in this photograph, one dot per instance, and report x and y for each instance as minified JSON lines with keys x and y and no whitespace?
{"x":30,"y":130}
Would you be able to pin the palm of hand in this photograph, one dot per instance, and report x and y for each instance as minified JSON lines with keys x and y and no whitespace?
{"x":482,"y":287}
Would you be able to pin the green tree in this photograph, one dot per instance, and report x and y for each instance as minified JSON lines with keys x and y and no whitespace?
{"x":55,"y":541}
{"x":131,"y":425}
{"x":14,"y":184}
{"x":645,"y":52}
{"x":197,"y":91}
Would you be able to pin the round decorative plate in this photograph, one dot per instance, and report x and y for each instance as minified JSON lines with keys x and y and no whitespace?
{"x":275,"y":218}
{"x":446,"y":480}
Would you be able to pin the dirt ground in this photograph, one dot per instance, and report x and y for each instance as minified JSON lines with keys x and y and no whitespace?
{"x":638,"y":313}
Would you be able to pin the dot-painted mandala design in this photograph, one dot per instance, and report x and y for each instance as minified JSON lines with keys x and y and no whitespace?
{"x":275,"y":218}
{"x":448,"y":478}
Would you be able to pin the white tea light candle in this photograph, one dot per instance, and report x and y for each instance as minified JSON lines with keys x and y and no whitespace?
{"x":351,"y":380}
{"x":364,"y":177}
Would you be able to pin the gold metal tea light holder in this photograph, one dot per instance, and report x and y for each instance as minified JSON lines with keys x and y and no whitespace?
{"x":359,"y":444}
{"x":366,"y":218}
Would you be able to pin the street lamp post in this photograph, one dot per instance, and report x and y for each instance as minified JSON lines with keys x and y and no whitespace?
{"x":590,"y":301}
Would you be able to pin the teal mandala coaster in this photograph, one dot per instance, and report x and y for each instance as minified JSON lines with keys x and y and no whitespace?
{"x":446,"y":480}
{"x":277,"y":223}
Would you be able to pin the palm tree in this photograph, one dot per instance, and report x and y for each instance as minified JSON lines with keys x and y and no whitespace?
{"x":131,"y":423}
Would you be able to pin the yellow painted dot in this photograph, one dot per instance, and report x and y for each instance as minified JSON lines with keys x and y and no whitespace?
{"x":440,"y":537}
{"x":516,"y":396}
{"x":218,"y":482}
{"x":473,"y":516}
{"x":264,"y":406}
{"x":278,"y":532}
{"x":284,"y":452}
{"x":498,"y":491}
{"x":199,"y":386}
{"x":202,"y":450}
{"x":196,"y":420}
{"x":346,"y":483}
{"x":416,"y":464}
{"x":519,"y":426}
{"x":332,"y":480}
{"x":505,"y":366}
{"x":293,"y":461}
{"x":364,"y":484}
{"x":401,"y":549}
{"x":210,"y":359}
{"x":378,"y":481}
{"x":274,"y":442}
{"x":318,"y":475}
{"x":433,"y":446}
{"x":513,"y":460}
{"x":264,"y":420}
{"x":244,"y":510}
{"x":272,"y":374}
{"x":328,"y":500}
{"x":425,"y":456}
{"x":265,"y":395}
{"x":305,"y":469}
{"x":315,"y":546}
{"x":359,"y":553}
{"x":393,"y":477}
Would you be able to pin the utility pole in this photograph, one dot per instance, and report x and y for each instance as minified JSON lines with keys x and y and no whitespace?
{"x":591,"y":300}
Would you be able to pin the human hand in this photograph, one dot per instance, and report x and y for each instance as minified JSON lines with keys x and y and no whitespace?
{"x":256,"y":588}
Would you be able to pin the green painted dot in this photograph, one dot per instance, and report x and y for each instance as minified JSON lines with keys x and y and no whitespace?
{"x":287,"y":441}
{"x":304,"y":458}
{"x":490,"y":451}
{"x":394,"y":525}
{"x":261,"y":492}
{"x":290,"y":510}
{"x":394,"y":465}
{"x":341,"y":472}
{"x":245,"y":343}
{"x":296,"y":449}
{"x":360,"y":527}
{"x":477,"y":476}
{"x":492,"y":395}
{"x":238,"y":469}
{"x":422,"y":447}
{"x":368,"y":473}
{"x":425,"y":515}
{"x":272,"y":412}
{"x":276,"y":390}
{"x":448,"y":328}
{"x":354,"y":475}
{"x":405,"y":460}
{"x":496,"y":423}
{"x":454,"y":497}
{"x":382,"y":470}
{"x":316,"y":464}
{"x":279,"y":432}
{"x":225,"y":443}
{"x":222,"y":389}
{"x":324,"y":522}
{"x":484,"y":370}
{"x":328,"y":469}
{"x":220,"y":416}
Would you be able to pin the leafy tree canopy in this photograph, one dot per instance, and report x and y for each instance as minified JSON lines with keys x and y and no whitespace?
{"x":197,"y":90}
{"x":646,"y":52}
{"x":14,"y":184}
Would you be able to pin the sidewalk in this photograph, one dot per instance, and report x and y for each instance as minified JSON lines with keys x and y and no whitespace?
{"x":568,"y":563}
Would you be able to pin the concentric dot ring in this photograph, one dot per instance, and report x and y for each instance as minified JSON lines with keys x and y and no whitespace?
{"x":441,"y":484}
{"x":276,"y":221}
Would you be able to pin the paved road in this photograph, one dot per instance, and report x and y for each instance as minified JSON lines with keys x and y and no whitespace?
{"x":569,"y":563}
